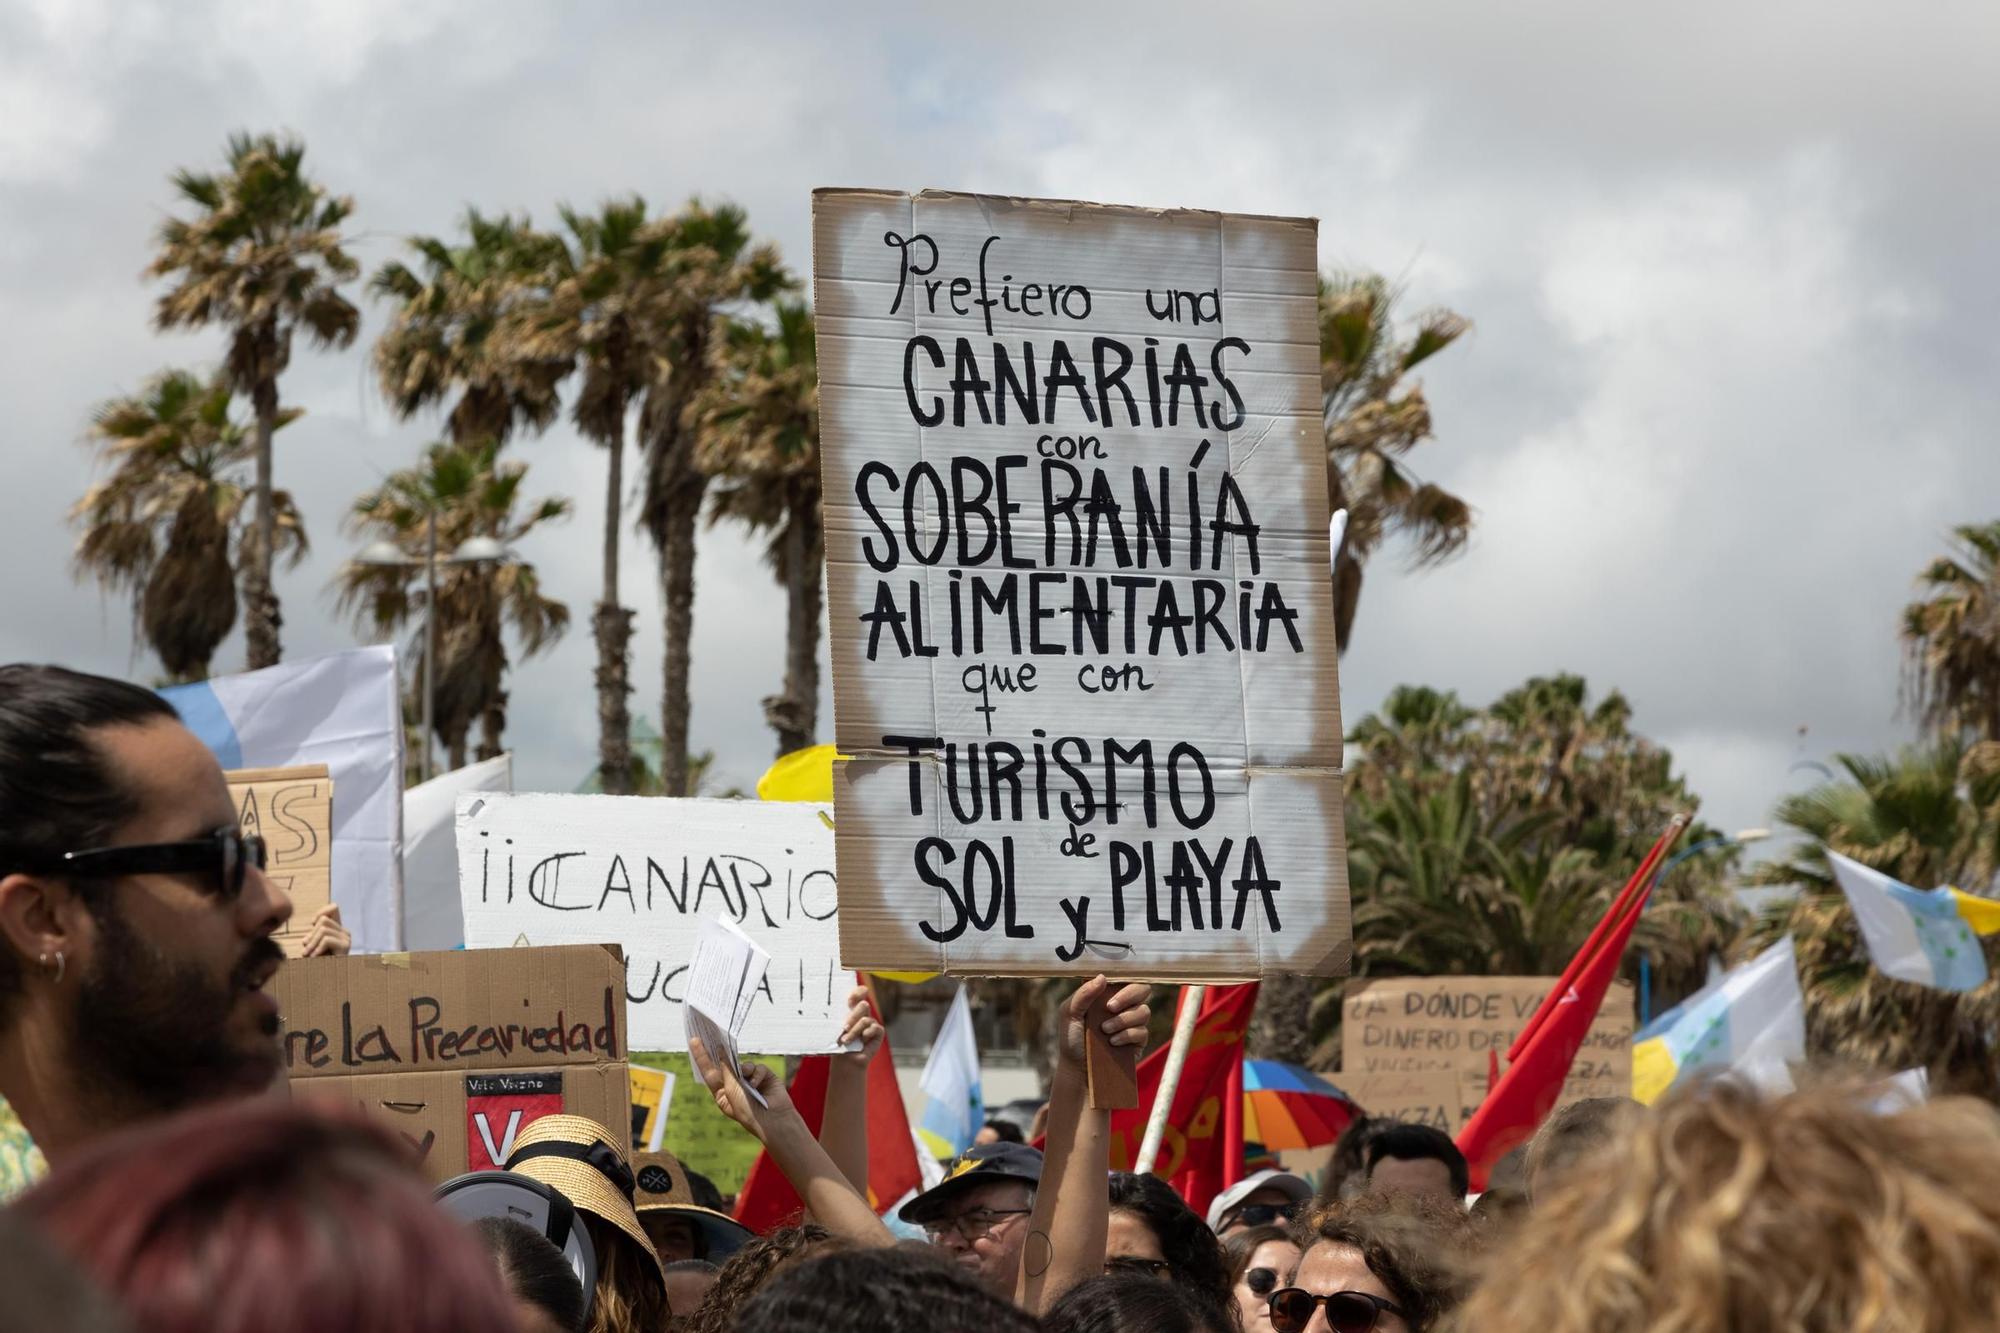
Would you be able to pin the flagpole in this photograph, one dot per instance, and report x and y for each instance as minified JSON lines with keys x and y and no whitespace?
{"x":1170,"y":1076}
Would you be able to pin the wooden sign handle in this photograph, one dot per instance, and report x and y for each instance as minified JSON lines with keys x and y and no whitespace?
{"x":1113,"y":1071}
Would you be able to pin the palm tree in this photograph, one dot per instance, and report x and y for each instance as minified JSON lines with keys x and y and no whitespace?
{"x":714,"y":265}
{"x":758,"y":434}
{"x":1952,"y":637}
{"x":262,"y":256}
{"x":1928,"y":816}
{"x":608,"y":290}
{"x":455,"y":325}
{"x":1489,"y":841}
{"x":467,"y":492}
{"x":1373,"y":420}
{"x":161,"y":525}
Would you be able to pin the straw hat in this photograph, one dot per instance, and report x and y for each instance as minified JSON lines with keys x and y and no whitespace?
{"x":663,"y":1188}
{"x":583,"y":1160}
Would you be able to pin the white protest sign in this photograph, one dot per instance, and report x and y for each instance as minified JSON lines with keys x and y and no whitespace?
{"x":644,"y":872}
{"x":1085,"y":683}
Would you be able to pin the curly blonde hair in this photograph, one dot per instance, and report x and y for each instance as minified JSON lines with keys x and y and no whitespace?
{"x":1728,"y":1211}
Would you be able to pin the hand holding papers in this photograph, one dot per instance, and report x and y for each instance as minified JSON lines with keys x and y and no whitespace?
{"x":723,"y":978}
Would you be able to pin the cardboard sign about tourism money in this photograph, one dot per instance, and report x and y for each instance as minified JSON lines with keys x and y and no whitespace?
{"x":292,"y":810}
{"x":1415,"y":1024}
{"x":1433,"y":1097}
{"x":1085,"y":685}
{"x":645,"y":872}
{"x":460,"y":1050}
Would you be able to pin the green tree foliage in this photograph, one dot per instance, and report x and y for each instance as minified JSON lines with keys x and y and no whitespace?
{"x":1488,"y":841}
{"x":261,"y":255}
{"x":1951,"y":638}
{"x":1927,"y":816}
{"x":169,"y":522}
{"x":758,"y":437}
{"x":468,"y":492}
{"x":1375,"y":415}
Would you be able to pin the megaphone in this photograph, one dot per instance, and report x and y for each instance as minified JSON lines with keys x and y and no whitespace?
{"x":534,"y":1205}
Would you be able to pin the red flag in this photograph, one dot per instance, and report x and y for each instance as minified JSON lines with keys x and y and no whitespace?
{"x":1531,"y":1085}
{"x":1641,"y":884}
{"x":1202,"y":1150}
{"x":768,"y":1201}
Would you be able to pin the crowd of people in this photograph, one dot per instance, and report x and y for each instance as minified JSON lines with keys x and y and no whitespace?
{"x":139,"y":1046}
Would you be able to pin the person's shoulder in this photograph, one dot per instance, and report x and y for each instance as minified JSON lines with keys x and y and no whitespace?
{"x":21,"y":1162}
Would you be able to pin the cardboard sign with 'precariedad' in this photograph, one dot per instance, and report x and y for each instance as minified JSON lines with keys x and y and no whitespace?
{"x":459,"y":1050}
{"x":1085,"y":686}
{"x":292,"y":810}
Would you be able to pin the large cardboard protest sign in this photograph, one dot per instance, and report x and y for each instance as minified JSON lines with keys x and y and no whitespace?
{"x":460,"y":1050}
{"x":1085,"y":685}
{"x":292,"y":810}
{"x":645,"y":872}
{"x":1415,"y":1024}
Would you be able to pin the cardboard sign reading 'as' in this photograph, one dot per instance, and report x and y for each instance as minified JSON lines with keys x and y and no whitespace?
{"x":1085,"y":686}
{"x":645,"y":872}
{"x":459,"y":1051}
{"x":292,"y":810}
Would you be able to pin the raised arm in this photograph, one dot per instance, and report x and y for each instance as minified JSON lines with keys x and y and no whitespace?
{"x":834,"y":1204}
{"x":1072,"y":1217}
{"x":843,"y":1130}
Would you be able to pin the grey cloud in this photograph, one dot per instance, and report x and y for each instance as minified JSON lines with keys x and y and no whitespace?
{"x":1731,"y":268}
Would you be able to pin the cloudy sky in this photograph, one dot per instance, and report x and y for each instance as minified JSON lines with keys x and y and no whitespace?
{"x":1733,"y":270}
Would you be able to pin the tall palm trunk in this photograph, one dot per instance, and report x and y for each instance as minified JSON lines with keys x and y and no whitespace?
{"x":675,"y":489}
{"x":492,"y":723}
{"x":679,"y":514}
{"x":260,"y":601}
{"x":612,"y":623}
{"x":794,"y":714}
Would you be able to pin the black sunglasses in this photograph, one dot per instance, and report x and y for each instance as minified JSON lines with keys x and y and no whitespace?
{"x":1346,"y":1311}
{"x":1261,"y":1281}
{"x":225,"y":855}
{"x":1261,"y":1214}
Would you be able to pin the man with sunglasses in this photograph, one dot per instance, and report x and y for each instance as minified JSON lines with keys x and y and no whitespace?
{"x":1262,"y":1198}
{"x":135,"y":917}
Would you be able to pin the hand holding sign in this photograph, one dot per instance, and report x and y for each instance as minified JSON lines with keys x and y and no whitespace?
{"x":1102,"y":1033}
{"x":861,"y":1035}
{"x":751,"y":1095}
{"x":326,"y":936}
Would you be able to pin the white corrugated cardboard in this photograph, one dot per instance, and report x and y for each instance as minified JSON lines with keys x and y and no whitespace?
{"x":1085,"y":683}
{"x":644,"y":872}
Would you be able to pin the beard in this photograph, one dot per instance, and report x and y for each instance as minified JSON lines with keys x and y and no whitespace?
{"x":156,"y":1031}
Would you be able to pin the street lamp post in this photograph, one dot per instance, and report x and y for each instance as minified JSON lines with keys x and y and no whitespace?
{"x":1737,"y":839}
{"x":471,"y":551}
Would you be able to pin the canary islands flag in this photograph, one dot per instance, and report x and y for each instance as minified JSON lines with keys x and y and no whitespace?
{"x":343,"y":710}
{"x":1752,"y":1019}
{"x":953,"y":1107}
{"x":1929,"y":937}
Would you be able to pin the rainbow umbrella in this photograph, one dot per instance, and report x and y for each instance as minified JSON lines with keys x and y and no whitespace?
{"x":1285,"y":1106}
